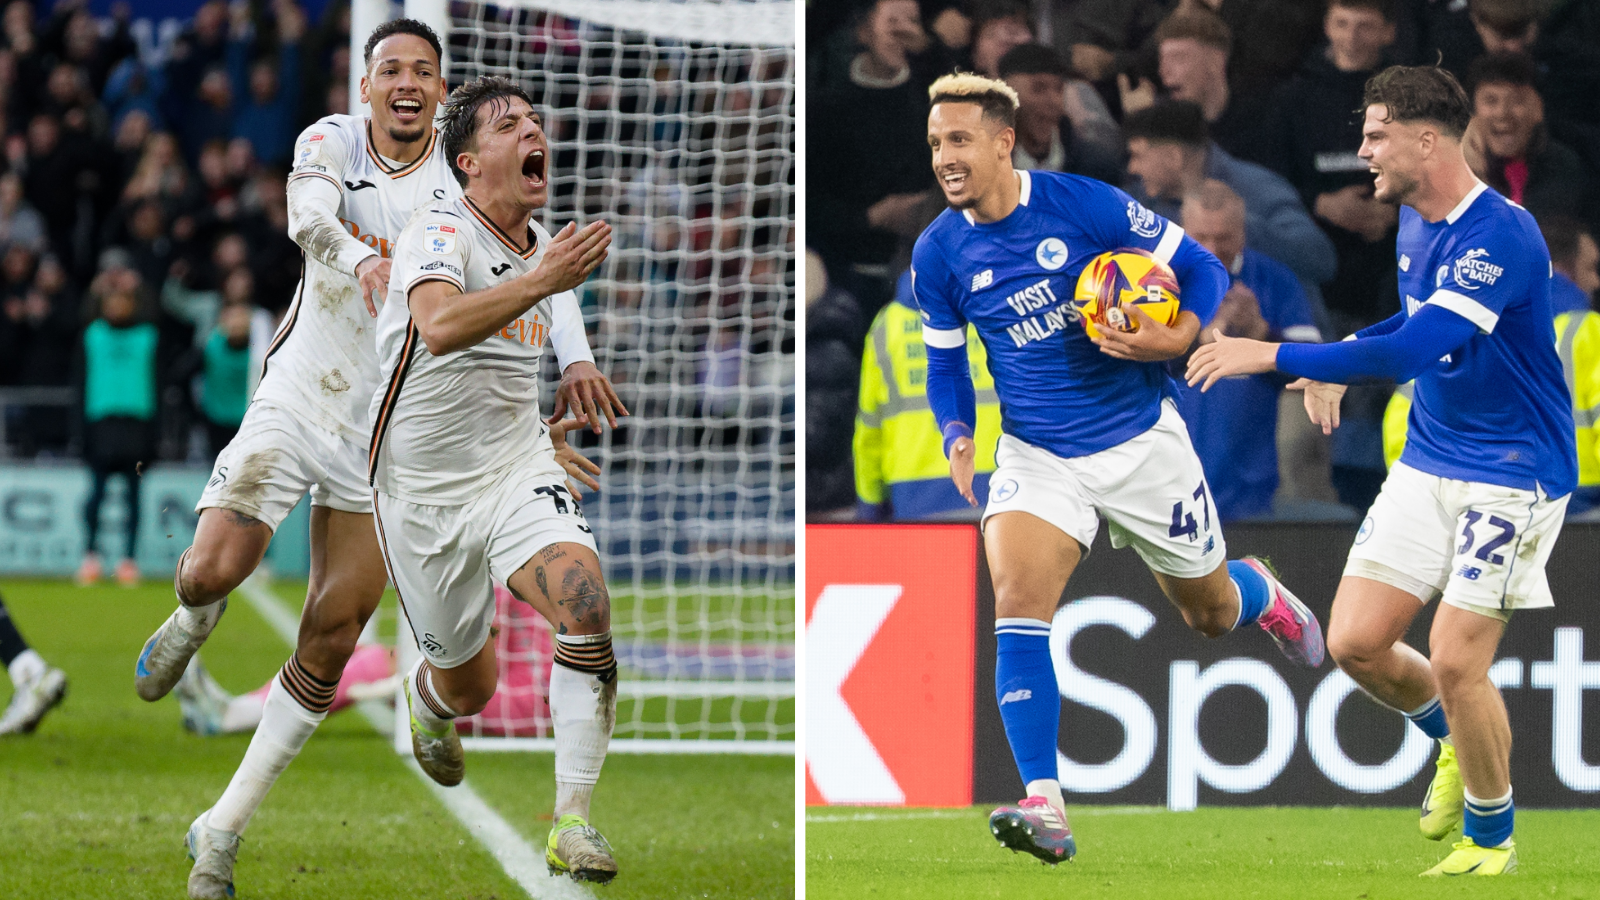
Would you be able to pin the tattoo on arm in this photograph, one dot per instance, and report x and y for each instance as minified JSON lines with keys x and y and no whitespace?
{"x":242,"y":520}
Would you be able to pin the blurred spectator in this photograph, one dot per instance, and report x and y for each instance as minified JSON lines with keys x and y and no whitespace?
{"x":1518,"y":157}
{"x":1233,"y":425}
{"x":1312,"y":140}
{"x":133,"y":88}
{"x":1169,"y":155}
{"x":1574,"y":263}
{"x":1193,"y":46}
{"x":901,"y":470}
{"x":119,"y":402}
{"x":1105,"y":38}
{"x":872,"y":185}
{"x":20,"y":223}
{"x":199,"y":49}
{"x":267,"y":91}
{"x":1271,"y":38}
{"x":1002,"y":26}
{"x":52,"y":168}
{"x":225,"y":370}
{"x":210,"y":117}
{"x":1506,"y":26}
{"x":1046,"y":136}
{"x":833,"y":362}
{"x":44,"y":325}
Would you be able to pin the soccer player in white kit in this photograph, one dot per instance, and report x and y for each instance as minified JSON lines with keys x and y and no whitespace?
{"x":354,"y":185}
{"x":466,"y":488}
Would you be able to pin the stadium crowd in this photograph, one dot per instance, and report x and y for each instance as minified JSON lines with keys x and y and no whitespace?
{"x":1238,"y":120}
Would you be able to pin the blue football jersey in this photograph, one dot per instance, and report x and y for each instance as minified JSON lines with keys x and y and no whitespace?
{"x":1496,"y":411}
{"x":1014,"y":279}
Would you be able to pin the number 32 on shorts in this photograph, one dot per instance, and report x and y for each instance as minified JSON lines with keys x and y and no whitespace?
{"x":1183,"y":522}
{"x":1507,"y":532}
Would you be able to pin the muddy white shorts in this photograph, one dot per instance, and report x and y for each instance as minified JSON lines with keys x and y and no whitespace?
{"x":276,"y":457}
{"x":1481,"y":546}
{"x":1150,"y":488}
{"x":444,"y":560}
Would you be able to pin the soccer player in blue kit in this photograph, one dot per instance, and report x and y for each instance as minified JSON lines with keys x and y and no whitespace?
{"x":1086,"y":430}
{"x":1474,"y":505}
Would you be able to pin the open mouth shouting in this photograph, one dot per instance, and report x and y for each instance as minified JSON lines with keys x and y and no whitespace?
{"x":533,"y":168}
{"x":954,"y":179}
{"x":408,"y":110}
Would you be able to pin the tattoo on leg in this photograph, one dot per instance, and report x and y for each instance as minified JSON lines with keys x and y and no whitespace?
{"x":584,"y":596}
{"x":544,"y":586}
{"x":240,"y":519}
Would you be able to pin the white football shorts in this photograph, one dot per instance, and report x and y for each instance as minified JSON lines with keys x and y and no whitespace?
{"x":1482,"y":547}
{"x":1150,"y":488}
{"x":444,"y":560}
{"x":276,"y":457}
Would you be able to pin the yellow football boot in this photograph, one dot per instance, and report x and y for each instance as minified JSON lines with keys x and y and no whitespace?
{"x":1467,"y":858}
{"x":1441,"y":806}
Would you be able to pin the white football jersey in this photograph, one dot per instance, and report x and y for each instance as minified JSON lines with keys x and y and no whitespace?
{"x":323,"y":359}
{"x":445,"y":428}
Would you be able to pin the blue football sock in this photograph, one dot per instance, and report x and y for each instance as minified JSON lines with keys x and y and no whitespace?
{"x":1430,"y":718}
{"x":1030,"y":702}
{"x":1489,"y":822}
{"x":1254,"y":592}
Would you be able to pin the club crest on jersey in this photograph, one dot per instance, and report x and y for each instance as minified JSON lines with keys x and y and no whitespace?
{"x":1473,"y":270}
{"x":440,"y":239}
{"x":310,"y":149}
{"x":1051,"y":253}
{"x":983,"y":279}
{"x":1143,"y":222}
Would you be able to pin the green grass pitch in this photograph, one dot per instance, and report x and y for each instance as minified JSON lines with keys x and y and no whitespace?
{"x":1221,"y":853}
{"x":96,"y":803}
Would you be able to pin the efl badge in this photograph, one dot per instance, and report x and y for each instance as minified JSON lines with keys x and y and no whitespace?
{"x":310,"y":150}
{"x":440,"y":239}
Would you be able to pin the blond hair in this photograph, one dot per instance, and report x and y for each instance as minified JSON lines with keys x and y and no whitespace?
{"x":998,"y":99}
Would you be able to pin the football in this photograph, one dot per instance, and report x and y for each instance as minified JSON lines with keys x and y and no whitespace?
{"x":1118,"y":279}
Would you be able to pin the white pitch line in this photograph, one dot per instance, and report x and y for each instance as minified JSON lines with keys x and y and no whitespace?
{"x":521,"y":861}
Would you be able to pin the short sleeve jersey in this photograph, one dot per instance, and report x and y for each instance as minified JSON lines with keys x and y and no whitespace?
{"x":445,"y":428}
{"x":1014,"y":279}
{"x":322,"y":360}
{"x":1497,"y":411}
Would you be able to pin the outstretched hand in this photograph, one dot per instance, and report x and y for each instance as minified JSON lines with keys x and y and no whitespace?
{"x":588,"y":394}
{"x":1322,"y":402}
{"x":1226,"y":356}
{"x":573,"y":254}
{"x":576,"y":464}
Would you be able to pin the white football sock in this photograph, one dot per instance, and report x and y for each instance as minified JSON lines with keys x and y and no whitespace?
{"x":27,"y":667}
{"x":1049,"y":789}
{"x":583,"y":711}
{"x":243,"y":713}
{"x":425,"y":703}
{"x":196,"y":619}
{"x":285,"y":726}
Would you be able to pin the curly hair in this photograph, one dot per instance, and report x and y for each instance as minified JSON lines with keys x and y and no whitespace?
{"x":1420,"y":94}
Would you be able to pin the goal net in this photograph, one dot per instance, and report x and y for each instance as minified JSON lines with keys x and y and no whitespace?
{"x":674,"y":122}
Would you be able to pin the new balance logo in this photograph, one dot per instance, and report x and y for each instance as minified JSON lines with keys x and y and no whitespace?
{"x":983,"y":279}
{"x":1470,"y":573}
{"x":1016,"y":696}
{"x":1405,"y":263}
{"x":500,"y":268}
{"x":356,"y":186}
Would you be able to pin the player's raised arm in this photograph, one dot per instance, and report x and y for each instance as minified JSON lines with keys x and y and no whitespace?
{"x":314,"y":195}
{"x":449,"y":320}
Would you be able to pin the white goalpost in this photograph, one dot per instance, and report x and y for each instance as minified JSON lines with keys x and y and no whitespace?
{"x":674,"y":122}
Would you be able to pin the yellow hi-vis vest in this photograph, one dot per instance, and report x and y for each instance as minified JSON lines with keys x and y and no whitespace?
{"x":1578,"y":343}
{"x":899,"y":452}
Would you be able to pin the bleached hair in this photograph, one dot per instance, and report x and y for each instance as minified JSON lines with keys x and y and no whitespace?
{"x":998,"y":99}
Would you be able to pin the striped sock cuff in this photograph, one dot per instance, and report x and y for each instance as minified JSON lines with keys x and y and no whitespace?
{"x":587,"y":653}
{"x":427,"y":696}
{"x":1022,"y":626}
{"x":307,"y":689}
